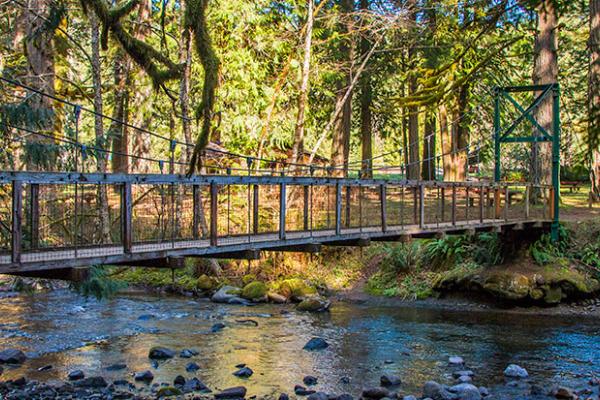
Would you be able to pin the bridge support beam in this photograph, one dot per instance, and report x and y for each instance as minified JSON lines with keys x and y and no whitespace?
{"x":165,"y":262}
{"x":251,"y":254}
{"x":299,"y":248}
{"x":63,"y":274}
{"x":360,"y":242}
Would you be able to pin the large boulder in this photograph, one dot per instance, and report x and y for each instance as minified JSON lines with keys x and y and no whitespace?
{"x":238,"y":392}
{"x":375,"y":393}
{"x":255,"y":291}
{"x":12,"y":356}
{"x":435,"y":391}
{"x":229,"y":295}
{"x":316,"y":343}
{"x":465,"y":391}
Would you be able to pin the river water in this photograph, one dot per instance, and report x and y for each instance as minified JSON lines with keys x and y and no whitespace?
{"x":69,"y":332}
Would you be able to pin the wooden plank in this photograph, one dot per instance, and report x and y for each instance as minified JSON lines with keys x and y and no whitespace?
{"x":17,"y":220}
{"x":34,"y":214}
{"x":338,"y":208}
{"x":282,"y":210}
{"x":126,"y":217}
{"x":497,"y":207}
{"x":214,"y":211}
{"x":255,"y":208}
{"x":196,"y":204}
{"x":383,"y":203}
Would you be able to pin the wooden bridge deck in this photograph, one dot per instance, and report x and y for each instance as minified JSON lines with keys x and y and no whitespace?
{"x":54,"y":221}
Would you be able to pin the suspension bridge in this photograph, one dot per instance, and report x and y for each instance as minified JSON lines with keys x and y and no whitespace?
{"x":52,"y":222}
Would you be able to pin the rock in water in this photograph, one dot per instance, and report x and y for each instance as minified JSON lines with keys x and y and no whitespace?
{"x":195,"y":385}
{"x":12,"y":356}
{"x":284,"y":396}
{"x":390,"y":380}
{"x":515,"y":371}
{"x":187,"y":353}
{"x":192,"y":367}
{"x":318,"y":396}
{"x":45,"y":368}
{"x":316,"y":344}
{"x":206,"y":283}
{"x":219,"y":326}
{"x":310,"y":380}
{"x":167,"y":391}
{"x":466,"y":391}
{"x":116,"y":367}
{"x":145,"y":376}
{"x":76,"y":375}
{"x":435,"y":391}
{"x":465,"y":379}
{"x":160,"y":353}
{"x":458,"y":374}
{"x":229,"y":295}
{"x":276,"y":298}
{"x":302,"y":391}
{"x":179,"y":380}
{"x":255,"y":291}
{"x":375,"y":393}
{"x":243,"y":372}
{"x":238,"y":392}
{"x":313,"y":304}
{"x":409,"y":397}
{"x":564,"y":393}
{"x":92,"y":382}
{"x":456,"y":360}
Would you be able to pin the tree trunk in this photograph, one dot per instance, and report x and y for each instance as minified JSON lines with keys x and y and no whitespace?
{"x":185,"y":58}
{"x":366,"y":117}
{"x":118,"y":132}
{"x":460,"y":137}
{"x":446,"y":138}
{"x":413,"y":111}
{"x":102,"y":196}
{"x":545,"y":71}
{"x":298,"y":146}
{"x":340,"y":146}
{"x":40,"y":65}
{"x":428,"y":171}
{"x":594,"y":99}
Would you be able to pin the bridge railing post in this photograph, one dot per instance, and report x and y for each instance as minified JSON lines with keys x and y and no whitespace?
{"x":255,"y":208}
{"x":306,"y":211}
{"x":421,"y":205}
{"x":34,"y":214}
{"x":453,"y":204}
{"x":338,"y":208}
{"x":214,"y":210}
{"x":282,"y":210}
{"x":17,"y":220}
{"x":126,"y":216}
{"x":196,"y":204}
{"x":383,"y":198}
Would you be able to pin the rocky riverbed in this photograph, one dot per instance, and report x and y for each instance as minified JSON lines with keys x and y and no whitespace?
{"x":147,"y":346}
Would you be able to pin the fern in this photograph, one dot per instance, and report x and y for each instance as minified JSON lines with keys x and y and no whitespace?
{"x":98,"y":285}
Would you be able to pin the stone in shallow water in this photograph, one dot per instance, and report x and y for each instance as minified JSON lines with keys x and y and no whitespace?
{"x":515,"y":371}
{"x":237,"y":392}
{"x":284,"y":396}
{"x":375,"y":393}
{"x":466,"y":391}
{"x":76,"y":375}
{"x":179,"y":380}
{"x":160,"y":353}
{"x":195,"y":385}
{"x":45,"y":368}
{"x":92,"y":382}
{"x":188,"y":353}
{"x":390,"y":380}
{"x":310,"y":380}
{"x":243,"y":372}
{"x":217,"y":327}
{"x":116,"y":367}
{"x":144,"y":376}
{"x":302,"y":391}
{"x":564,"y":393}
{"x":316,"y":344}
{"x":456,"y":360}
{"x":458,"y":374}
{"x":192,"y":367}
{"x":465,"y":379}
{"x":12,"y":356}
{"x":435,"y":391}
{"x":318,"y":396}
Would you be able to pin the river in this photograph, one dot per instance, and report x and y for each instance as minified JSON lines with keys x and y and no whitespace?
{"x":62,"y":329}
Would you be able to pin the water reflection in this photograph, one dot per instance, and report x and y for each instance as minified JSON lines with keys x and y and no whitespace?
{"x":68,"y":332}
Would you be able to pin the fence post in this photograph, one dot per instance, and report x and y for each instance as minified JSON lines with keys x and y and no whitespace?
{"x":214,"y":210}
{"x":282,"y":210}
{"x":481,"y":202}
{"x":527,"y":189}
{"x":34,"y":214}
{"x":126,"y":217}
{"x":421,"y":205}
{"x":383,"y":195}
{"x":17,"y":219}
{"x":338,"y":208}
{"x":255,"y":220}
{"x":306,"y":212}
{"x":453,"y":205}
{"x":195,"y":211}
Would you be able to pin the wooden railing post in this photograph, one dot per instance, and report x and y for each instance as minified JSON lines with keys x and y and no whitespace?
{"x":17,"y":220}
{"x":421,"y":205}
{"x":255,"y":220}
{"x":34,"y":214}
{"x":126,"y":217}
{"x":481,"y":202}
{"x":306,"y":213}
{"x":383,"y":198}
{"x":214,"y":211}
{"x":282,"y":210}
{"x":196,"y":204}
{"x":527,"y":194}
{"x":338,"y":207}
{"x":416,"y":196}
{"x":453,"y":205}
{"x":497,"y":207}
{"x":551,"y":204}
{"x":506,"y":202}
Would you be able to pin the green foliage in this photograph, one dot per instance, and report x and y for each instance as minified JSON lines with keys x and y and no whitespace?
{"x":545,"y":251}
{"x":486,"y":249}
{"x":441,"y":253}
{"x":402,"y":258}
{"x":99,"y":284}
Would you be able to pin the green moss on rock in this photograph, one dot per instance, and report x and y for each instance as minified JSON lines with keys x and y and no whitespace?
{"x":254,"y":291}
{"x":168,"y":391}
{"x":296,"y":287}
{"x":313,"y":304}
{"x":509,"y":286}
{"x":207,"y":283}
{"x":249,"y":278}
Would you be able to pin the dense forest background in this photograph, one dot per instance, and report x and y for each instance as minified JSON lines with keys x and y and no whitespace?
{"x":351,"y":87}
